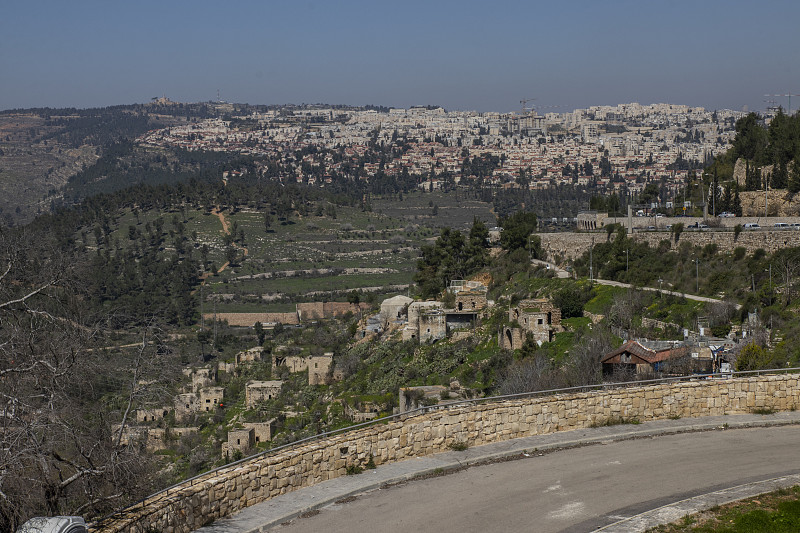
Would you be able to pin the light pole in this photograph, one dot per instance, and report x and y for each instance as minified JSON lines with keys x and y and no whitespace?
{"x":697,"y":265}
{"x":770,"y":283}
{"x":661,"y":294}
{"x":627,"y":260}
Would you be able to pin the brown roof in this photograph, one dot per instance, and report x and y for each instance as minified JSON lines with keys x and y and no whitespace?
{"x":644,"y":355}
{"x":631,"y":347}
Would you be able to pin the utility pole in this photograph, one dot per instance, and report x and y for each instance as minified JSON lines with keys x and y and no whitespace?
{"x":591,"y":265}
{"x":697,"y":265}
{"x":627,"y":260}
{"x":788,"y":95}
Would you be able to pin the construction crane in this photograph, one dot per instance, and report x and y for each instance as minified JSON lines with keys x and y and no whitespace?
{"x":524,"y":102}
{"x":789,"y":96}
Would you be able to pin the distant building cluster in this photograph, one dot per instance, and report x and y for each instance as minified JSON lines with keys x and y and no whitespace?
{"x":612,"y":148}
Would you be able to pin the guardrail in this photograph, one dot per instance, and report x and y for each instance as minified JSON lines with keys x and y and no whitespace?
{"x":449,"y":405}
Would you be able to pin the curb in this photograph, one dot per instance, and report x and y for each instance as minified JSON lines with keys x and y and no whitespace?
{"x":449,"y":462}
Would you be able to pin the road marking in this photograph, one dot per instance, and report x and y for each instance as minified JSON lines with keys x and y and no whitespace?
{"x":567,"y":511}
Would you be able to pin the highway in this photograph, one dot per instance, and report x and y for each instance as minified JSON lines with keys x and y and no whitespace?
{"x":574,"y":490}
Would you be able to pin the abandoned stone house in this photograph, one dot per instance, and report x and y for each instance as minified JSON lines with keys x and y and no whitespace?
{"x":248,"y":437}
{"x":394,"y":309}
{"x":258,"y":391}
{"x":154,"y":439}
{"x":201,"y":377}
{"x":537,"y":317}
{"x":469,"y":295}
{"x":249,"y":356}
{"x":362,"y":412}
{"x":415,"y":311}
{"x":185,"y":404}
{"x":318,"y":366}
{"x":429,"y":321}
{"x":241,"y":440}
{"x":206,"y":399}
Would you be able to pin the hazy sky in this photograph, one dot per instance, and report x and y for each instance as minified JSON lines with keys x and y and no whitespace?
{"x":485,"y":55}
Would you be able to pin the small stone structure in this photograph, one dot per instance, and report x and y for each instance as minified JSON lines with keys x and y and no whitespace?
{"x":152,"y":415}
{"x":432,"y":325}
{"x":250,"y":355}
{"x":258,"y":391}
{"x":318,"y":366}
{"x":413,"y":397}
{"x":201,"y":377}
{"x":241,"y":440}
{"x":262,"y":431}
{"x":221,"y":493}
{"x":538,"y":318}
{"x":210,"y":398}
{"x":394,"y":309}
{"x":469,"y":295}
{"x":154,"y":439}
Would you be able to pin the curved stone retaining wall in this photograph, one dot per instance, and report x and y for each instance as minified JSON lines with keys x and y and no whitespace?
{"x":224,"y":492}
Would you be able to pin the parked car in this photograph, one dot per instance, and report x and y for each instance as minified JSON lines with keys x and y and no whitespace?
{"x":752,"y":225}
{"x":781,"y":225}
{"x":795,"y":225}
{"x":55,"y":524}
{"x":725,"y":214}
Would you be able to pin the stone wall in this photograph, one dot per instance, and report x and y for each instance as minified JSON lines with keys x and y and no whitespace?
{"x":249,"y":319}
{"x":222,"y":493}
{"x":771,"y":241}
{"x":574,"y":245}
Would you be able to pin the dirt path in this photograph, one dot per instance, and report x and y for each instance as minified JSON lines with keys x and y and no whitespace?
{"x":225,"y":231}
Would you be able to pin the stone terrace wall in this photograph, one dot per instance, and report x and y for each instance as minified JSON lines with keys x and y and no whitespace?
{"x":770,"y":241}
{"x":224,"y":492}
{"x":573,"y":245}
{"x":249,"y":319}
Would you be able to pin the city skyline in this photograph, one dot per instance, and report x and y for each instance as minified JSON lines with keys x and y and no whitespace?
{"x":462,"y":56}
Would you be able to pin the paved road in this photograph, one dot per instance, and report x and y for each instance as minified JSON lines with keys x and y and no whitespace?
{"x":574,"y":490}
{"x":652,"y":289}
{"x":561,"y":273}
{"x":568,"y":481}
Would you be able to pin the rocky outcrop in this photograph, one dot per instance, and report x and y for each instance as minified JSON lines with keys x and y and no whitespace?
{"x":779,"y":203}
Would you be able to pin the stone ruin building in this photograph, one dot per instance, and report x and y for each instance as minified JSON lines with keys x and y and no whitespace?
{"x":537,"y":317}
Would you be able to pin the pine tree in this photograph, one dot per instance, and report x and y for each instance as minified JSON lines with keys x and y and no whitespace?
{"x":779,"y":175}
{"x":726,"y":202}
{"x":794,"y":178}
{"x":737,"y":204}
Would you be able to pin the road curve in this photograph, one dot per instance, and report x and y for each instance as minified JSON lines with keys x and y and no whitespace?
{"x":574,"y":490}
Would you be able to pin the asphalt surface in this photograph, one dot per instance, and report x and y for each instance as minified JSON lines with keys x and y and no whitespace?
{"x":621,"y":478}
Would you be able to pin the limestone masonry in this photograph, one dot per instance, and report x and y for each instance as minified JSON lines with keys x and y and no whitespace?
{"x":224,"y":492}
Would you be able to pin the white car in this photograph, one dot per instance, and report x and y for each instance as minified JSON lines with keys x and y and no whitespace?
{"x":56,"y":524}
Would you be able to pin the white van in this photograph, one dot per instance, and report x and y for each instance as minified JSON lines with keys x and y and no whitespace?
{"x":781,"y":225}
{"x":751,"y":225}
